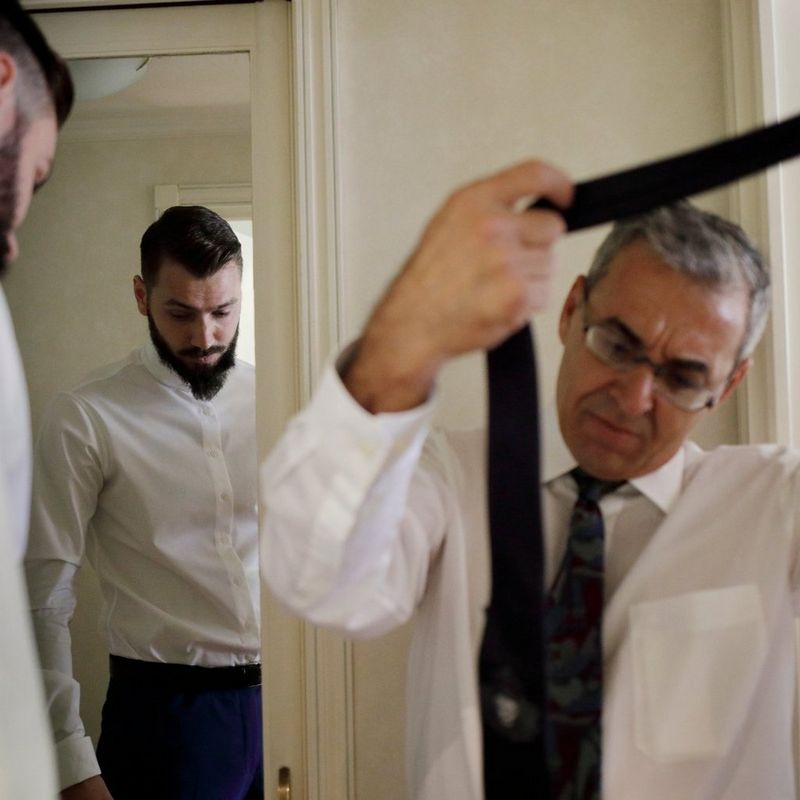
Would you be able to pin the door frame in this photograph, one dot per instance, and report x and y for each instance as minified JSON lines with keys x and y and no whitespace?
{"x":760,"y":68}
{"x":330,"y":695}
{"x":264,"y":31}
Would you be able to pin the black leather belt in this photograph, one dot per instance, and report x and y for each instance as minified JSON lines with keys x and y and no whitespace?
{"x":184,"y":676}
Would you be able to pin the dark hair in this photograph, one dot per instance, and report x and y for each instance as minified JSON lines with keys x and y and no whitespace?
{"x":43,"y":73}
{"x":703,"y":246}
{"x":192,"y":236}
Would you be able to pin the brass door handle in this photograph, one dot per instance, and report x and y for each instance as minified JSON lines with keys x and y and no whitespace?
{"x":284,"y":784}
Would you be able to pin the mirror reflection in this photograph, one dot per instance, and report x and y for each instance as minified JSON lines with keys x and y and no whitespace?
{"x":146,"y":518}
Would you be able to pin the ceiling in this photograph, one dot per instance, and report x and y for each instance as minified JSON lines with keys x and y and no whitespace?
{"x":68,"y":5}
{"x":176,"y":96}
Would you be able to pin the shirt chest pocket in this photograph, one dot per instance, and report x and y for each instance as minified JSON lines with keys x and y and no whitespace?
{"x":697,"y":658}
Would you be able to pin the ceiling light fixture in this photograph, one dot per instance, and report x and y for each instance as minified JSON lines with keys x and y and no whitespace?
{"x":101,"y":77}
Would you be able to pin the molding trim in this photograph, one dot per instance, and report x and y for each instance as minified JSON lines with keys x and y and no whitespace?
{"x":49,"y":6}
{"x":330,"y":684}
{"x":317,"y":186}
{"x":154,"y":32}
{"x":751,"y":73}
{"x":230,"y":200}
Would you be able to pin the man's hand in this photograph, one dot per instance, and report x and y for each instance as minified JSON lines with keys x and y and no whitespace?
{"x":93,"y":788}
{"x":478,"y":273}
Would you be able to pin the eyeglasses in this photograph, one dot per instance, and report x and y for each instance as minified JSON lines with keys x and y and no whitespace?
{"x":678,"y":383}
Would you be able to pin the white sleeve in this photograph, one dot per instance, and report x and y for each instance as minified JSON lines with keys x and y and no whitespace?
{"x":350,"y":520}
{"x":15,"y":433}
{"x":27,"y":766}
{"x":68,"y":476}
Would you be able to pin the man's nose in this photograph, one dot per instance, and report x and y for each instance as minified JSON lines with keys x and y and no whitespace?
{"x":634,"y":390}
{"x":203,"y":334}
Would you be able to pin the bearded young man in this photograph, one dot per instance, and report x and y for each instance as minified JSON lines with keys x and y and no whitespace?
{"x":149,"y":467}
{"x":35,"y":99}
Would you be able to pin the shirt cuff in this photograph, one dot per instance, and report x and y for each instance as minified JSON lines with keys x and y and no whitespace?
{"x":333,"y":394}
{"x":370,"y":441}
{"x":76,"y":760}
{"x":352,"y":449}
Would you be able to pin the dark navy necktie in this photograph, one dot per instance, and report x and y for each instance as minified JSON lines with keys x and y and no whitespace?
{"x":512,"y":680}
{"x":574,"y":649}
{"x":511,"y":667}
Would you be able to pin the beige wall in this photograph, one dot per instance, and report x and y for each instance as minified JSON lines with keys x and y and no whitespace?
{"x":433,"y":93}
{"x":71,"y":294}
{"x":80,"y":249}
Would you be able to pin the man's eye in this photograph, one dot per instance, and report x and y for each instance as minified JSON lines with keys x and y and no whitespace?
{"x":219,"y":314}
{"x":178,"y":317}
{"x":620,"y":350}
{"x":677,"y":380}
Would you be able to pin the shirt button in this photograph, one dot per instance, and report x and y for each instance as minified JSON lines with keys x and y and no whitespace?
{"x":224,"y":497}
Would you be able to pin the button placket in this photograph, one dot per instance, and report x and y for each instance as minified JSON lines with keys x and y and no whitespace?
{"x":224,"y":522}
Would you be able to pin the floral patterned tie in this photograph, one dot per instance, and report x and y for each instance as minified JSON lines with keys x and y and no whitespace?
{"x":573,"y":628}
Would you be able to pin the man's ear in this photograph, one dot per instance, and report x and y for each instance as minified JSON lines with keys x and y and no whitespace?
{"x":140,"y":293}
{"x":736,"y":379}
{"x":8,"y":91}
{"x":571,"y":304}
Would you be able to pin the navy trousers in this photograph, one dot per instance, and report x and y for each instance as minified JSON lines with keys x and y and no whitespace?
{"x":166,"y":743}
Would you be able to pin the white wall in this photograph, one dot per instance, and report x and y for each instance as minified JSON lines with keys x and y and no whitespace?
{"x":80,"y":249}
{"x":431,"y":94}
{"x":71,"y":292}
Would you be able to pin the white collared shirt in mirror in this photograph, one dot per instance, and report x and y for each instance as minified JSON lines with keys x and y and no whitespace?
{"x":158,"y":489}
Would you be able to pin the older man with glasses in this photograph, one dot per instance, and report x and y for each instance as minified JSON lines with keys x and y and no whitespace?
{"x":671,"y":572}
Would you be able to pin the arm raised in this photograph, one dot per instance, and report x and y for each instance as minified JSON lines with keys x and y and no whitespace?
{"x":478,"y":272}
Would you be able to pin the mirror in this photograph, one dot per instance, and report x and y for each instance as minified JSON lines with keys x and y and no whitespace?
{"x":143,"y":128}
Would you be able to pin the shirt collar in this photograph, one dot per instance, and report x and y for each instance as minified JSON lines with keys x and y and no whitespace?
{"x":661,"y":487}
{"x":159,"y":370}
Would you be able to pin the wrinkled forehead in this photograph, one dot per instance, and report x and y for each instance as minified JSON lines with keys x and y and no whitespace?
{"x":661,"y":305}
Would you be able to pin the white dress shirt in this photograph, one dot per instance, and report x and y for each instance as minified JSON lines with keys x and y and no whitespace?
{"x":159,"y":489}
{"x":15,"y":432}
{"x":369,"y":519}
{"x":27,"y":768}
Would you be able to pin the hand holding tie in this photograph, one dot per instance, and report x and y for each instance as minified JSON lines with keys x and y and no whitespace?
{"x":478,"y":272}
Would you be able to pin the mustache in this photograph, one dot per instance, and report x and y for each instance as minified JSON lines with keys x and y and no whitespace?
{"x":198,"y":352}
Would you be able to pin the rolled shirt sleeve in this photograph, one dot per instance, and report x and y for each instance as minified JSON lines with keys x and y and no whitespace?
{"x":350,"y":523}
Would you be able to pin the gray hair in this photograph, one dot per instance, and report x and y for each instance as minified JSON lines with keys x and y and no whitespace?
{"x":704,"y":247}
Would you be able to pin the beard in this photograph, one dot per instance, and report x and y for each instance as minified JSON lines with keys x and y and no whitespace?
{"x":9,"y":166}
{"x":204,"y":380}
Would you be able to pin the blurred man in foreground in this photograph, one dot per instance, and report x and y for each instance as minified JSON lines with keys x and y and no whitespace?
{"x":35,"y":99}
